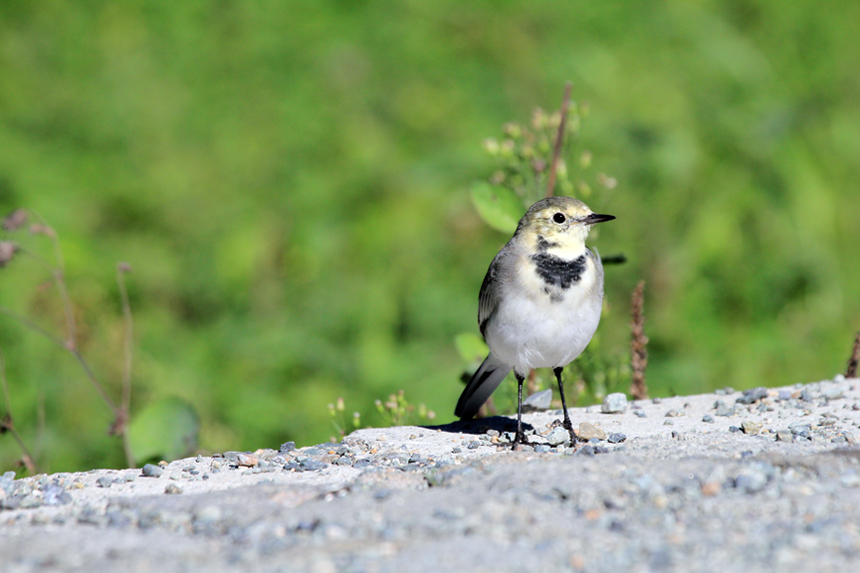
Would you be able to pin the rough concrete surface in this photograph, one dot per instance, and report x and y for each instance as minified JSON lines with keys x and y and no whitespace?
{"x":767,"y":480}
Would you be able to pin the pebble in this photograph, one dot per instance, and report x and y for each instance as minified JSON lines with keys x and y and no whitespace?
{"x":105,"y":481}
{"x":752,"y":395}
{"x":150,"y":470}
{"x":751,"y":428}
{"x":615,"y":403}
{"x":589,"y":431}
{"x":538,"y":402}
{"x":708,"y":419}
{"x":586,"y":450}
{"x":542,"y":448}
{"x":640,"y":413}
{"x":784,"y":436}
{"x":674,"y":413}
{"x":557,"y":436}
{"x":725,"y":411}
{"x":616,"y":438}
{"x":172,"y":488}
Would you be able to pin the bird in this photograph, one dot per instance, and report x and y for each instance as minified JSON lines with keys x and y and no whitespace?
{"x":539,"y":304}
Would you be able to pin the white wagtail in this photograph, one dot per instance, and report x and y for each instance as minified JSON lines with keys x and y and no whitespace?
{"x":540,"y":302}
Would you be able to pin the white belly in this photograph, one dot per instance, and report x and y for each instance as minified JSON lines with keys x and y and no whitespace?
{"x":535,"y":332}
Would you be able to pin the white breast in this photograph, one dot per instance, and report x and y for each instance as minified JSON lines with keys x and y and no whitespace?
{"x":530,"y":330}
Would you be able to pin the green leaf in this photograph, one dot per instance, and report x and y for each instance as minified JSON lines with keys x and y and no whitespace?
{"x":498,"y":206}
{"x":471,"y":347}
{"x":166,"y":429}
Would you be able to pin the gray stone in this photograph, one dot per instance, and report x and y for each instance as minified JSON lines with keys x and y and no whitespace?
{"x":784,"y":436}
{"x":615,"y":403}
{"x":558,"y":436}
{"x":752,"y":395}
{"x":708,"y":419}
{"x":151,"y":470}
{"x":616,"y":438}
{"x":538,"y":402}
{"x":725,"y":411}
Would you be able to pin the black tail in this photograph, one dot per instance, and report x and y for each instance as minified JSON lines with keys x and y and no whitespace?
{"x":485,"y":380}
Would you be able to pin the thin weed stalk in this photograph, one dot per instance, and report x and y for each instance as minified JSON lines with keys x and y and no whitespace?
{"x":7,"y":423}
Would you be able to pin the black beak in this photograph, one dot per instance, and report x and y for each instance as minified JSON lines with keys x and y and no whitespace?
{"x":594,"y":218}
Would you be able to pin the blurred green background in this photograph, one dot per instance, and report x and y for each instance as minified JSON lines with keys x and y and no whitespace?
{"x":289,"y":181}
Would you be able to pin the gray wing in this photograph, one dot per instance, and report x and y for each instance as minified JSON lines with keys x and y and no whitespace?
{"x":598,"y":267}
{"x":488,"y":300}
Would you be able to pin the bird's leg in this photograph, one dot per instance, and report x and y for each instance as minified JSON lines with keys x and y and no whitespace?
{"x":566,"y":423}
{"x":521,"y":437}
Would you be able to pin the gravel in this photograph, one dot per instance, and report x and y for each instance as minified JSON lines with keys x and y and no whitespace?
{"x":769,"y":486}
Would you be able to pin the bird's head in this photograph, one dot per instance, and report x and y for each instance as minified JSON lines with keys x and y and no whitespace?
{"x":558,"y":224}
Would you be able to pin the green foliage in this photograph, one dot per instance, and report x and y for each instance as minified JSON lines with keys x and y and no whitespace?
{"x":397,"y":411}
{"x":166,"y":429}
{"x":498,"y":206}
{"x":289,"y":181}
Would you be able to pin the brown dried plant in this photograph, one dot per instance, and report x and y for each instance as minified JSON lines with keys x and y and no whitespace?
{"x":851,"y":371}
{"x":638,"y":344}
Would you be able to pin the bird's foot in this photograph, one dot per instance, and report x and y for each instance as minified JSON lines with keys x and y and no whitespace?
{"x":519,"y":439}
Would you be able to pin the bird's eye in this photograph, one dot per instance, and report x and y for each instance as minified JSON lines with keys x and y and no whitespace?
{"x":558,"y":218}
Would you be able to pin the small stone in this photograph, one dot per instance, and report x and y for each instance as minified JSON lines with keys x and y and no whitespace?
{"x":784,"y":436}
{"x":558,"y":436}
{"x":808,"y":395}
{"x":800,"y":428}
{"x":53,"y":494}
{"x":833,"y":394}
{"x":751,"y":428}
{"x":586,"y":450}
{"x":708,"y":419}
{"x":734,"y":429}
{"x":542,"y":448}
{"x":674,"y":413}
{"x":588,"y":431}
{"x":615,"y":403}
{"x":616,"y":438}
{"x":538,"y":402}
{"x":150,"y":470}
{"x":640,"y":413}
{"x":493,"y":433}
{"x":456,"y":450}
{"x":474,"y":445}
{"x":313,"y":465}
{"x":247,"y":460}
{"x":725,"y":411}
{"x":752,"y":395}
{"x":172,"y":488}
{"x":105,"y":481}
{"x":783,"y":395}
{"x":668,"y":423}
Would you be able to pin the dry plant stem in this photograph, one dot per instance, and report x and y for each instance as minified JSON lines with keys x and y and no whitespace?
{"x":7,"y":423}
{"x":851,"y":371}
{"x":638,"y":344}
{"x":559,"y":139}
{"x":58,"y":274}
{"x":129,"y":325}
{"x":532,"y":382}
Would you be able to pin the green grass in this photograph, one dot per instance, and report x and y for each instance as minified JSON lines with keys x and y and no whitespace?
{"x":290,"y":183}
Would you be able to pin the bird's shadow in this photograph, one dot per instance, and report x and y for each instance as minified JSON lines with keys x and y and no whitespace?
{"x":481,"y":426}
